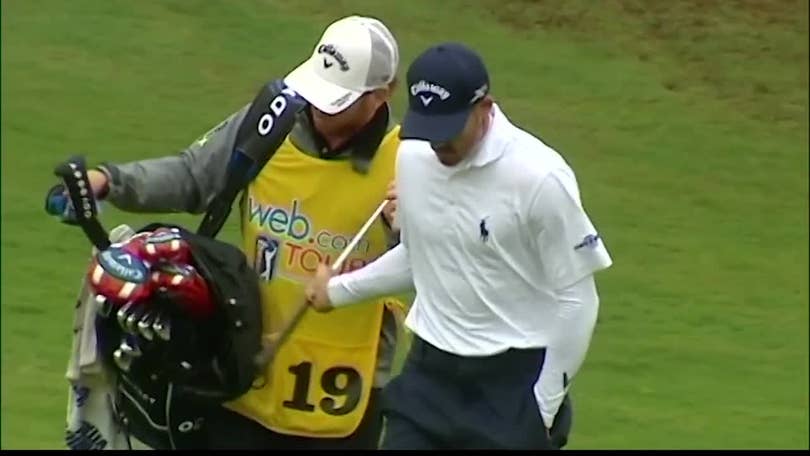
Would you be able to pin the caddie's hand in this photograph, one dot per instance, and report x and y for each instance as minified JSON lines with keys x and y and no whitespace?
{"x":57,"y":201}
{"x":316,"y":290}
{"x":390,"y":210}
{"x":98,"y":182}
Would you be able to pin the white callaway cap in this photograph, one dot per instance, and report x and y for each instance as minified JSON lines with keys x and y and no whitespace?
{"x":355,"y":55}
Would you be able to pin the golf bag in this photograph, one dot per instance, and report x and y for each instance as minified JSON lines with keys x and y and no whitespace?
{"x":179,"y":318}
{"x":186,"y":345}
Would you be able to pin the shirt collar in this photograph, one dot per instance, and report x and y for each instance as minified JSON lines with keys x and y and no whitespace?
{"x":491,"y":146}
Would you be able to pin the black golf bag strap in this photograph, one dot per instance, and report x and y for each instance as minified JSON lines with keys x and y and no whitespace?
{"x":264,"y":128}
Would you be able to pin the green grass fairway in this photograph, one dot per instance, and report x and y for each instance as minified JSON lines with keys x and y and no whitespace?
{"x":685,"y":121}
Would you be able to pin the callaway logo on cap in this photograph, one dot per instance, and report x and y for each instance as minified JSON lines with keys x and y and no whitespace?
{"x":355,"y":55}
{"x":425,"y":91}
{"x":445,"y":82}
{"x":330,"y":50}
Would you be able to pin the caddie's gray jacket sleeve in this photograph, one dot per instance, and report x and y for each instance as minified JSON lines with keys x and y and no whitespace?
{"x":181,"y":183}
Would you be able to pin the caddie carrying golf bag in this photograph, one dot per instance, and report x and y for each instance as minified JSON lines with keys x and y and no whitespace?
{"x":179,"y":313}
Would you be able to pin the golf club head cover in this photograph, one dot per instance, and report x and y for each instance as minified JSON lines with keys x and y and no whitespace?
{"x":151,"y":262}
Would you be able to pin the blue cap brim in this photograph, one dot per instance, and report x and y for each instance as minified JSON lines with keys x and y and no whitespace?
{"x":436,"y":128}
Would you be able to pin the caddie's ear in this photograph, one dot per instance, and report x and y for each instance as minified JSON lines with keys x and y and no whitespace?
{"x":384,"y":94}
{"x":377,"y":98}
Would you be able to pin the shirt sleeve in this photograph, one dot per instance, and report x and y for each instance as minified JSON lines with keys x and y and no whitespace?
{"x":569,"y":246}
{"x":387,"y":275}
{"x":186,"y":182}
{"x":579,"y":305}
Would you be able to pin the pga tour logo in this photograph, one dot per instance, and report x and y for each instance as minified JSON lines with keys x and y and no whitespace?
{"x":431,"y":91}
{"x":590,"y":241}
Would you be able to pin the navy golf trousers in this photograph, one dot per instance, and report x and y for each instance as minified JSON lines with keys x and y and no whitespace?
{"x":446,"y":401}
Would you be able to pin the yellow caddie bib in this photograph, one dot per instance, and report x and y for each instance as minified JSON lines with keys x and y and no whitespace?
{"x":298,"y":212}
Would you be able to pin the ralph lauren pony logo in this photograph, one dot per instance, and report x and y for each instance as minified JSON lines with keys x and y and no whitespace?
{"x":482,"y":227}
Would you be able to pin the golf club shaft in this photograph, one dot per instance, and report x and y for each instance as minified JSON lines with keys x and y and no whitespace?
{"x":269,"y":351}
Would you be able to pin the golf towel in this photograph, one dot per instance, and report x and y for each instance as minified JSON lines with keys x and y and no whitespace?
{"x":91,"y":420}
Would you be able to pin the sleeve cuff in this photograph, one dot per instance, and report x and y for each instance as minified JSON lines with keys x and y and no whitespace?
{"x":112,"y":178}
{"x":590,"y":265}
{"x":339,"y":295}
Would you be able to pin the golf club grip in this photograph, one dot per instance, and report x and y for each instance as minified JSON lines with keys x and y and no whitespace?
{"x":73,"y":173}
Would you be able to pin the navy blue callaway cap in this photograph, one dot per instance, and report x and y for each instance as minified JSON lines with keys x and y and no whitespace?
{"x":444,"y":83}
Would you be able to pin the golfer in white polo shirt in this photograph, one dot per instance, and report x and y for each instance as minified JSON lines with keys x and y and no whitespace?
{"x":501,"y":253}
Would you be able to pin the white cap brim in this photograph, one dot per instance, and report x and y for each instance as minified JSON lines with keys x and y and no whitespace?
{"x":327,"y":97}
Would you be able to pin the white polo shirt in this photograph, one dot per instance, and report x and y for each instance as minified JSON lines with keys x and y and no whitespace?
{"x":489,"y":244}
